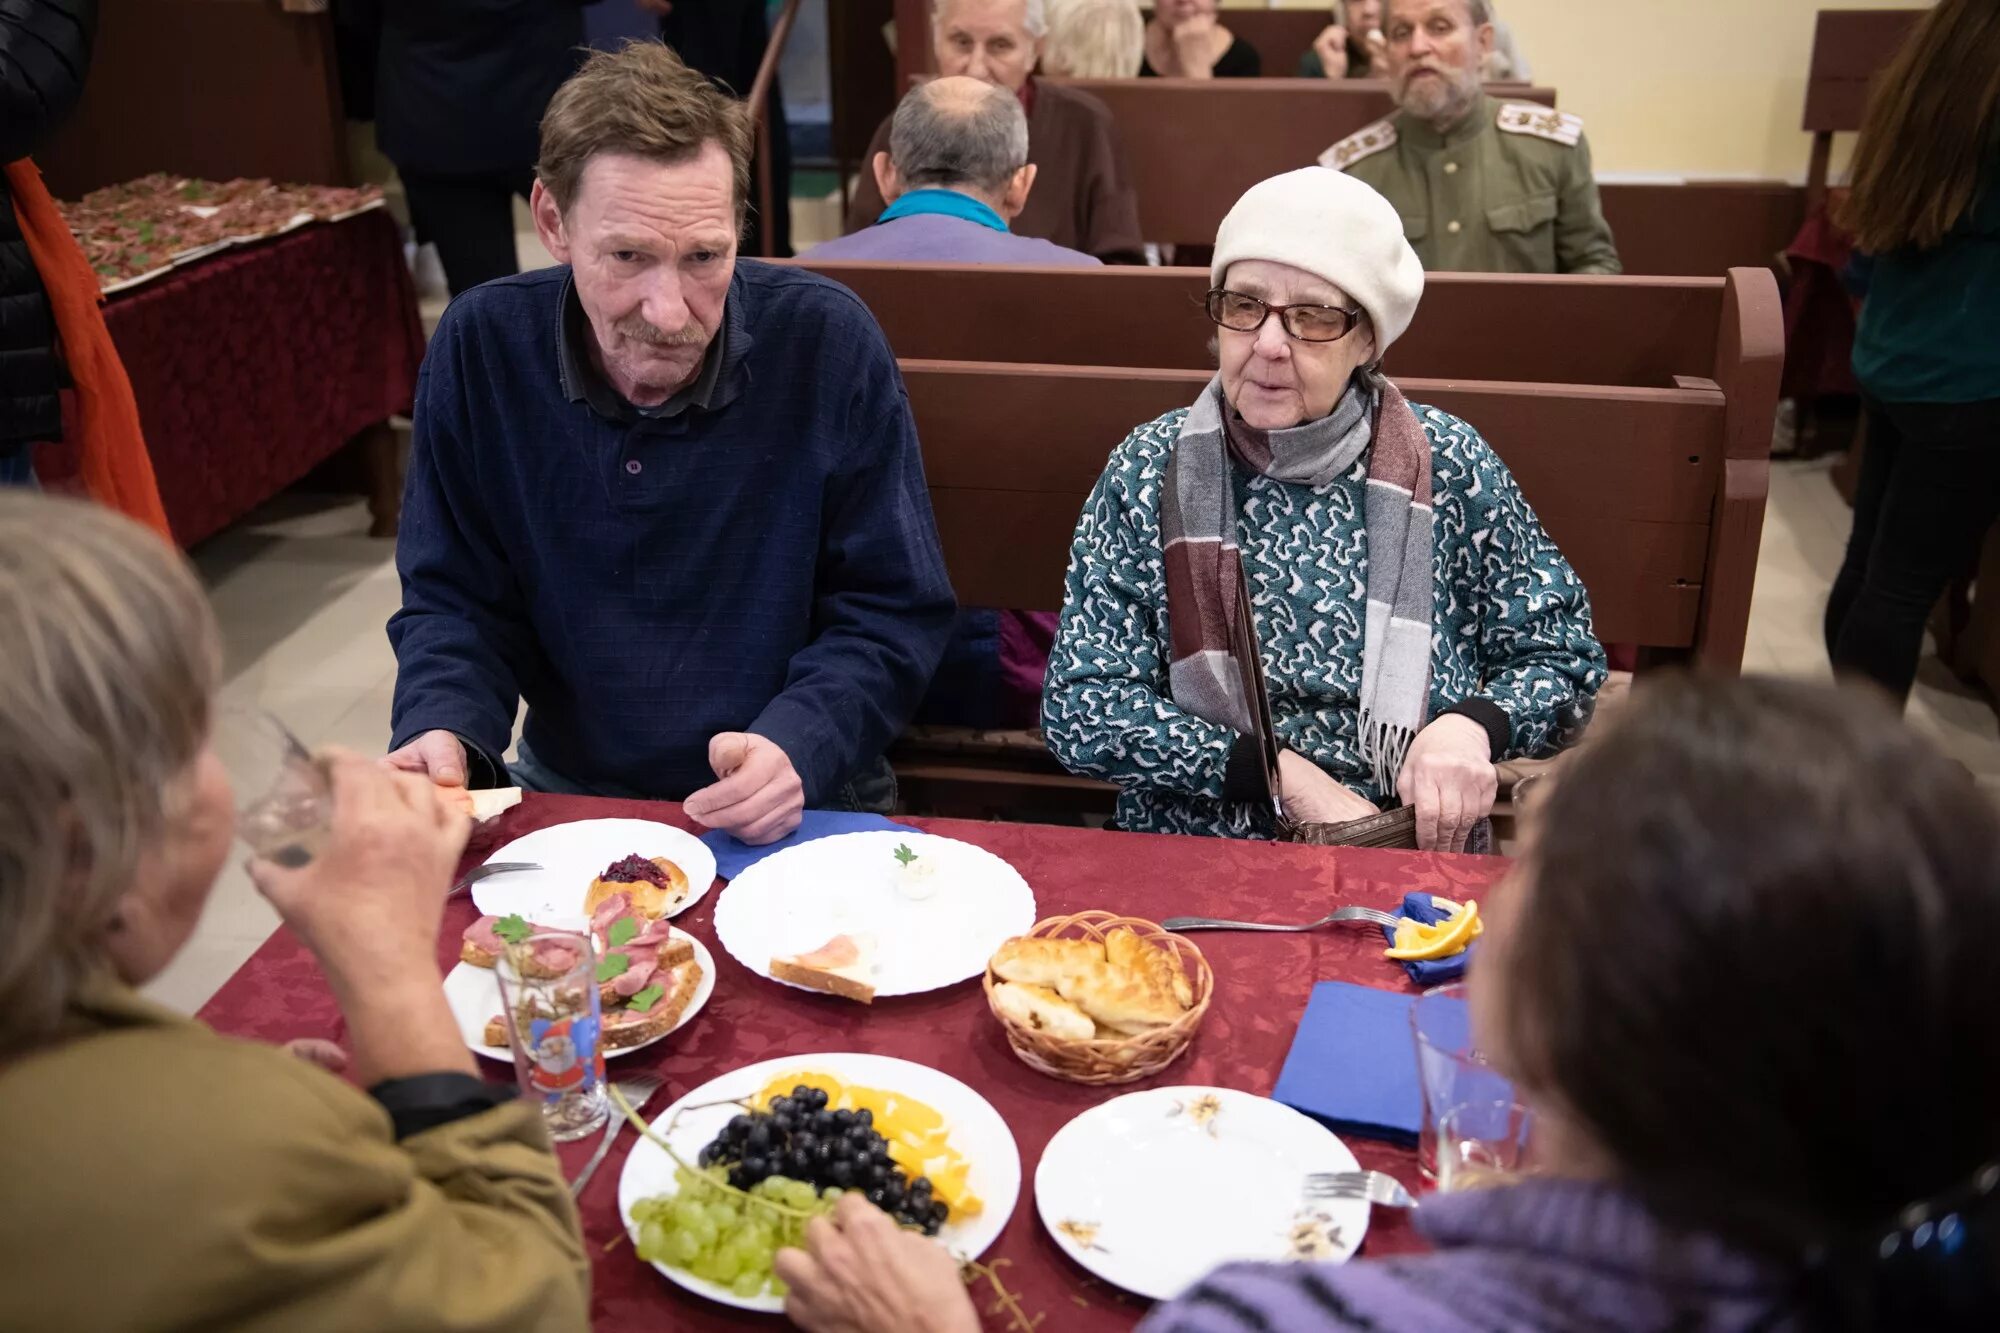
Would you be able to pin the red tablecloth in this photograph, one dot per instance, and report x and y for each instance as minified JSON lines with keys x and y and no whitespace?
{"x":1262,"y":982}
{"x":253,"y":367}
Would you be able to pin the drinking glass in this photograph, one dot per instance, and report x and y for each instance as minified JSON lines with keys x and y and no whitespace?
{"x":1450,"y":1071}
{"x":1483,"y":1144}
{"x":284,"y":803}
{"x":548,"y":999}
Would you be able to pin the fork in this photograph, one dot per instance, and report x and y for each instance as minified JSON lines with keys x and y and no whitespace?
{"x":1377,"y":1187}
{"x":637,"y":1090}
{"x":477,"y":873}
{"x":1369,"y":915}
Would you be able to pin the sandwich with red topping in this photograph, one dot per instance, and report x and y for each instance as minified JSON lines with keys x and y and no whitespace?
{"x":652,"y":888}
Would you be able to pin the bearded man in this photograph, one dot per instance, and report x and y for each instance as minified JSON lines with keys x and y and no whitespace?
{"x":670,"y":499}
{"x":1484,"y":186}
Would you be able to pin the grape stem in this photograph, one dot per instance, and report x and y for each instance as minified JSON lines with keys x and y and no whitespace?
{"x":724,"y":1186}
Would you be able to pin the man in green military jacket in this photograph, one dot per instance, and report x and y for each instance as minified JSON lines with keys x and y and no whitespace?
{"x":1484,"y":186}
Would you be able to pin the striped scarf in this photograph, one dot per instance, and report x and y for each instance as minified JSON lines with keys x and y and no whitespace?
{"x":1204,"y":563}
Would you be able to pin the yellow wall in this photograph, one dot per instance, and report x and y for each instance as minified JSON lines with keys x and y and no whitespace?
{"x":1695,"y":88}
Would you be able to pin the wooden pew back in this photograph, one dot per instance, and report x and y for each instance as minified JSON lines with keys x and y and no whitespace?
{"x":1636,"y":332}
{"x":1849,"y":48}
{"x":1655,"y":493}
{"x":1195,"y":145}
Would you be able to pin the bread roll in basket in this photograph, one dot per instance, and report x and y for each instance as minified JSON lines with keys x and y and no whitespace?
{"x":1110,"y":1058}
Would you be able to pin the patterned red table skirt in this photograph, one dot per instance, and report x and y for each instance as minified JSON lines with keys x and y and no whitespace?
{"x":255,"y":366}
{"x":1262,"y":983}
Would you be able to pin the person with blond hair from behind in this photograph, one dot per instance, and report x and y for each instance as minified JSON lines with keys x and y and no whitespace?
{"x":1095,"y":39}
{"x":163,"y":1177}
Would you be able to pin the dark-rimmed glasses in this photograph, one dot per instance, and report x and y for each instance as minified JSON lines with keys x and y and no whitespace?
{"x":1307,"y":323}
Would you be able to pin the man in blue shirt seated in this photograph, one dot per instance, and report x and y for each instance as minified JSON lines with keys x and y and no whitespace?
{"x":671,"y":500}
{"x":955,"y":176}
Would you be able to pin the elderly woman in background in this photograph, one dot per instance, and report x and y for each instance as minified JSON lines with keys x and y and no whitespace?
{"x":164,"y":1177}
{"x":1350,"y":47}
{"x":1730,"y":958}
{"x":1185,"y":41}
{"x":1415,"y":622}
{"x":1094,"y":39}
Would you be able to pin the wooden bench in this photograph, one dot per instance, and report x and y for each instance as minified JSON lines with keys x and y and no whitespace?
{"x":1195,"y":145}
{"x":1656,"y":495}
{"x":1631,"y":331}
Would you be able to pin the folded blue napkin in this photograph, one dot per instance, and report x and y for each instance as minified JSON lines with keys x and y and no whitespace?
{"x":1353,"y":1063}
{"x":732,"y":857}
{"x":1428,"y":972}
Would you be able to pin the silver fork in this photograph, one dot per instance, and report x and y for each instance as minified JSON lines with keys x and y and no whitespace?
{"x":477,"y":873}
{"x":638,"y":1090}
{"x":1378,"y":1188}
{"x":1369,"y":915}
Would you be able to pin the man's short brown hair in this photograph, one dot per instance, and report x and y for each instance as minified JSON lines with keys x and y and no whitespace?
{"x":641,"y":100}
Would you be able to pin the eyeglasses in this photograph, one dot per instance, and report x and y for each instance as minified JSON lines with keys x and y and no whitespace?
{"x":1307,"y":323}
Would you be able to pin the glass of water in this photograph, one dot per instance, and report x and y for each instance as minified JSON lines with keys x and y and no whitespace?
{"x":1451,"y":1071}
{"x":284,"y":802}
{"x":1483,"y":1144}
{"x":548,"y":997}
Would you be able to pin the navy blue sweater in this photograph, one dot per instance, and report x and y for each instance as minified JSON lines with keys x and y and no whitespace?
{"x":767,"y":563}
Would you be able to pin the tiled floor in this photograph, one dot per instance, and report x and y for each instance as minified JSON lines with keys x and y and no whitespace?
{"x":303,"y":596}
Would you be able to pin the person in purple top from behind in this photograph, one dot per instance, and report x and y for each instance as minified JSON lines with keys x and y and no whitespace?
{"x":1746,"y":986}
{"x":956,"y":174}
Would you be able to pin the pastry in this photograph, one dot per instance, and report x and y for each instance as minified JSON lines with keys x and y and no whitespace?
{"x":1043,"y":1010}
{"x":652,"y":888}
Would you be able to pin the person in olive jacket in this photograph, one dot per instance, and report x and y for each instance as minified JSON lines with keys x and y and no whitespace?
{"x":44,"y":51}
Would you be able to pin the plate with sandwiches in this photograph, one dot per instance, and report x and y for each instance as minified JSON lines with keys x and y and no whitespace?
{"x":861,"y":915}
{"x":661,"y":869}
{"x":653,"y":978}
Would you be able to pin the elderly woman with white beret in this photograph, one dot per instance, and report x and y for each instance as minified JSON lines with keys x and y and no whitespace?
{"x":1415,"y":623}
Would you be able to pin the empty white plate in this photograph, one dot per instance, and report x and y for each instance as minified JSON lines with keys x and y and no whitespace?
{"x":1154,"y":1190}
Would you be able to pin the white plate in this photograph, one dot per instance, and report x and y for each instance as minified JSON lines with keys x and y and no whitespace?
{"x":474,"y":996}
{"x":1154,"y":1190}
{"x":572,"y":855}
{"x":802,"y":897}
{"x":977,"y":1133}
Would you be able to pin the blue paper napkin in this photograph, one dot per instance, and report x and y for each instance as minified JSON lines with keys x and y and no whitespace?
{"x":1353,"y":1063}
{"x":732,"y":857}
{"x":1428,"y":972}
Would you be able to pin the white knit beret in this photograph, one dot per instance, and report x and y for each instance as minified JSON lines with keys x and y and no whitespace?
{"x":1334,"y":227}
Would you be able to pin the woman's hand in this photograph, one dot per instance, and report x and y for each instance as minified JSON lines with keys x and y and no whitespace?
{"x":1449,"y":777}
{"x":369,"y":907}
{"x":861,"y":1273}
{"x":1311,"y":795}
{"x":1193,"y":44}
{"x":1331,"y":48}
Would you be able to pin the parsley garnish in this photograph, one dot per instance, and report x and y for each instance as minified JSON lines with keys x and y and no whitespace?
{"x":621,"y":932}
{"x":904,"y":854}
{"x":612,"y":965}
{"x":646,"y":998}
{"x":513,"y":929}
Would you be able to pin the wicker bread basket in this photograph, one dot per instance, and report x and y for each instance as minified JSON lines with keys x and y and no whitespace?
{"x":1113,"y":1059}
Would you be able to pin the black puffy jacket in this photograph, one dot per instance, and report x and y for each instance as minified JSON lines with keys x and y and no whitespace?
{"x":44,"y":51}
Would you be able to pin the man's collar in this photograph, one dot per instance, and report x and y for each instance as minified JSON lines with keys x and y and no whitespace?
{"x":944,"y":202}
{"x":1027,"y":96}
{"x":722,"y":366}
{"x":1421,"y":134}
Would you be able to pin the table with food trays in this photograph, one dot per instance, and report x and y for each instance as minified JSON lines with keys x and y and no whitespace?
{"x":1262,"y":982}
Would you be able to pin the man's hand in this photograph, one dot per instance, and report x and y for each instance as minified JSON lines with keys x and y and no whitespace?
{"x":759,"y":797}
{"x":438,"y":755}
{"x":1331,"y":47}
{"x":1311,"y":795}
{"x":1449,"y":777}
{"x":861,"y":1273}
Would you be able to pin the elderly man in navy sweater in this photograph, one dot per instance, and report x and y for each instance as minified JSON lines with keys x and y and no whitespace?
{"x":672,"y":500}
